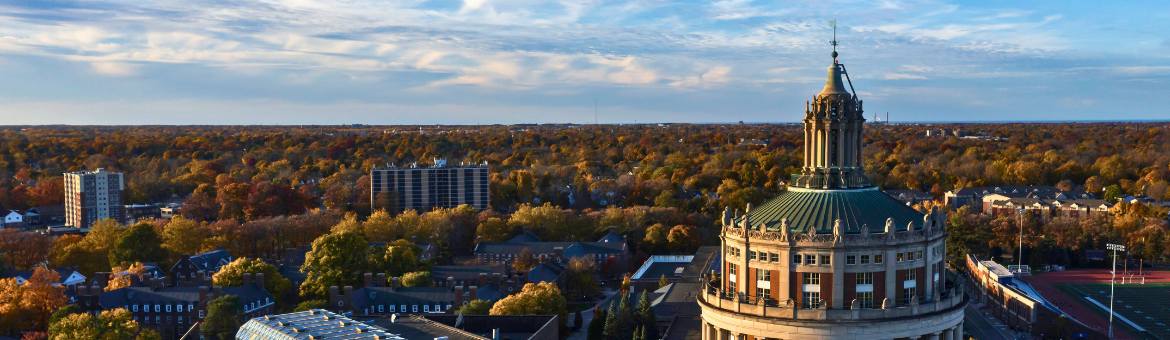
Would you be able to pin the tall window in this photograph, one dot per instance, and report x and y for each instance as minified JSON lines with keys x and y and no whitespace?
{"x":864,"y":290}
{"x":796,"y":258}
{"x":825,"y":259}
{"x":731,"y":272}
{"x":811,"y":297}
{"x":907,"y":294}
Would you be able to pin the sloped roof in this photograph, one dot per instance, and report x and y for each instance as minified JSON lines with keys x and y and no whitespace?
{"x":169,"y":295}
{"x":545,"y":272}
{"x":524,"y":237}
{"x":612,"y":237}
{"x":212,"y":260}
{"x":806,"y":209}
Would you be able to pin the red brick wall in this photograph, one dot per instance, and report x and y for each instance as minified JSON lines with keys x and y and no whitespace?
{"x":850,"y":289}
{"x":827,"y":288}
{"x":879,"y":288}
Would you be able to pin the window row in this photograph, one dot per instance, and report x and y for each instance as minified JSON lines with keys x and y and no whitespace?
{"x":910,"y":256}
{"x":863,"y":259}
{"x":811,"y":259}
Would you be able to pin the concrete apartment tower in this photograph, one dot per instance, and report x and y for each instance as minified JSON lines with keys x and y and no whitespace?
{"x":91,"y":196}
{"x":832,"y":257}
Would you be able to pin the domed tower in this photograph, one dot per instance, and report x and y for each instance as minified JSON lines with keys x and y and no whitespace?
{"x":832,"y":257}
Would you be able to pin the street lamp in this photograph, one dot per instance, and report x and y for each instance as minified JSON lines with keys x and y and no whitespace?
{"x":1112,"y":280}
{"x":1020,"y":258}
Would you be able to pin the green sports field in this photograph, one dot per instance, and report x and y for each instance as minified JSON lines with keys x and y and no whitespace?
{"x":1146,"y":305}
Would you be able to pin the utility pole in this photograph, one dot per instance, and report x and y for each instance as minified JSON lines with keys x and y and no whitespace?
{"x":1112,"y":281}
{"x":1020,"y":257}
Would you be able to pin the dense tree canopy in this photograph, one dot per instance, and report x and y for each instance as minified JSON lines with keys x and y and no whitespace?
{"x":232,"y":274}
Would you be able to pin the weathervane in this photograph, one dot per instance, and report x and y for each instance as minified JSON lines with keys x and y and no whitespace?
{"x":834,"y":41}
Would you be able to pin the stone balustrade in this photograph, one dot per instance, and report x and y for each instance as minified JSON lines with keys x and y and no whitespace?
{"x":712,"y":297}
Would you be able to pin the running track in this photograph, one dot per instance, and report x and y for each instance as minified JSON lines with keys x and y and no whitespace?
{"x":1046,"y":284}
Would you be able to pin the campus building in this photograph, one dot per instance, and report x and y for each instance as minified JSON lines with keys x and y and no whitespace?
{"x":425,"y":188}
{"x":832,"y":257}
{"x":91,"y":196}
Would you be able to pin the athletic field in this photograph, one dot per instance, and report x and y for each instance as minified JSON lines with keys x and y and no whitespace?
{"x":1084,"y":294}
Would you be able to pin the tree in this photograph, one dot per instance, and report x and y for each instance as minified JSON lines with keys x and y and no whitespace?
{"x":29,"y":306}
{"x":683,"y":238}
{"x":311,"y":304}
{"x":223,"y":319}
{"x":73,"y":251}
{"x":380,"y":227}
{"x":662,"y":281}
{"x":115,"y":323}
{"x":232,"y":274}
{"x":476,"y":307}
{"x":183,"y":236}
{"x":334,"y":260}
{"x":23,"y":250}
{"x":140,"y":243}
{"x":580,"y":282}
{"x":655,"y":239}
{"x":534,"y":299}
{"x":597,"y":325}
{"x":124,"y":277}
{"x":613,"y":327}
{"x":417,"y":279}
{"x":524,"y":261}
{"x":645,"y":317}
{"x":401,"y":257}
{"x":493,"y":229}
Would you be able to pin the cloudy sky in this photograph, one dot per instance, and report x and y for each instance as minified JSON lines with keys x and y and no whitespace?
{"x":488,"y":61}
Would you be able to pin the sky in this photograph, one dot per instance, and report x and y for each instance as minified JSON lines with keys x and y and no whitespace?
{"x":518,"y":61}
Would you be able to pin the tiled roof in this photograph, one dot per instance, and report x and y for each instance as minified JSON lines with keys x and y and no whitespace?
{"x":212,"y":260}
{"x":545,"y":272}
{"x":139,"y":295}
{"x":805,"y":209}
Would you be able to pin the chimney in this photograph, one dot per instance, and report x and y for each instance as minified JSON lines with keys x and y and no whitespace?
{"x":368,"y":279}
{"x":334,"y":297}
{"x":347,"y":296}
{"x":156,"y":283}
{"x":381,"y":280}
{"x":247,"y":279}
{"x":472,"y":295}
{"x":482,"y":278}
{"x":203,"y":291}
{"x":495,"y":334}
{"x":458,"y":296}
{"x":259,"y":279}
{"x":393,"y":283}
{"x":450,"y":281}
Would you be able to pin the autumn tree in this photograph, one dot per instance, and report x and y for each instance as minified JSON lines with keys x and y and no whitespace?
{"x":493,"y":229}
{"x":28,"y":306}
{"x":122,"y":277}
{"x":581,"y":281}
{"x":115,"y":323}
{"x":23,"y":250}
{"x":524,"y":261}
{"x":683,"y":238}
{"x":533,"y":299}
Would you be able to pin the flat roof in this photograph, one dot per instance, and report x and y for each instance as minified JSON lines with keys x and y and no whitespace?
{"x":659,"y":265}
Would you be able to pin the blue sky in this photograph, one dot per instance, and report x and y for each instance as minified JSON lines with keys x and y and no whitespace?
{"x":486,"y":61}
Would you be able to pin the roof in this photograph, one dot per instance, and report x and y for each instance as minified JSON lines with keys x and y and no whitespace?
{"x":545,"y":272}
{"x":139,"y":295}
{"x":548,"y":247}
{"x":805,"y":209}
{"x":212,"y":260}
{"x":314,"y":324}
{"x":657,"y":265}
{"x":612,"y":237}
{"x":524,"y":237}
{"x":464,"y":273}
{"x":510,"y":326}
{"x":373,"y":296}
{"x":417,"y":327}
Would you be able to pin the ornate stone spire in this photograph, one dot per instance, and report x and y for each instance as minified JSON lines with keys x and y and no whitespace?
{"x":833,"y":122}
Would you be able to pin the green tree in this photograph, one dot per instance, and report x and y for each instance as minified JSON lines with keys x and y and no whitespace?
{"x":683,"y":239}
{"x":645,"y":317}
{"x":401,"y":257}
{"x":140,"y":243}
{"x":183,"y":236}
{"x":232,"y":274}
{"x":311,"y":304}
{"x":655,"y":239}
{"x":380,"y":227}
{"x":597,"y":325}
{"x":224,"y":317}
{"x":476,"y":307}
{"x":334,"y":260}
{"x":581,"y":282}
{"x":417,"y":279}
{"x":613,"y":327}
{"x":493,"y":229}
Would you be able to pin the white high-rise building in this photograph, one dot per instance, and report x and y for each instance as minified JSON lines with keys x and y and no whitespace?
{"x":93,"y":195}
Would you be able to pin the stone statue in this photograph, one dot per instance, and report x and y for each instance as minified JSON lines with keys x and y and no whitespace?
{"x":910,"y":226}
{"x":889,"y":228}
{"x":914,"y":300}
{"x":864,"y":229}
{"x":837,"y":231}
{"x":784,"y":229}
{"x":854,"y":304}
{"x":886,"y":303}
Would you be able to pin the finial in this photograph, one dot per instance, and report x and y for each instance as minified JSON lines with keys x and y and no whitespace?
{"x":834,"y":41}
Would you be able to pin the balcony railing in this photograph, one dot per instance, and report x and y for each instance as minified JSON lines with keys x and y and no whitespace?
{"x":715,"y":298}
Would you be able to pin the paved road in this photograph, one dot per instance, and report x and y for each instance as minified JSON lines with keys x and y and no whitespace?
{"x":587,"y":316}
{"x":983,"y":326}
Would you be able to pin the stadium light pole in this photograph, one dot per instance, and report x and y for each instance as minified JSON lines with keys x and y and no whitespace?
{"x":1112,"y":280}
{"x":1020,"y":257}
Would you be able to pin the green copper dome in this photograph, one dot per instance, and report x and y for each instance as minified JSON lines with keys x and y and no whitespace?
{"x":804,"y":209}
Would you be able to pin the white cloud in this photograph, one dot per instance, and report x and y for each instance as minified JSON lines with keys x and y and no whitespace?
{"x":113,"y":69}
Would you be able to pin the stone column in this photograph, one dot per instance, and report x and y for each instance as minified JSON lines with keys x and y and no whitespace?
{"x":928,"y":256}
{"x":840,"y":144}
{"x":838,"y":264}
{"x":892,"y":284}
{"x":785,"y":272}
{"x":959,"y":331}
{"x":932,"y":336}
